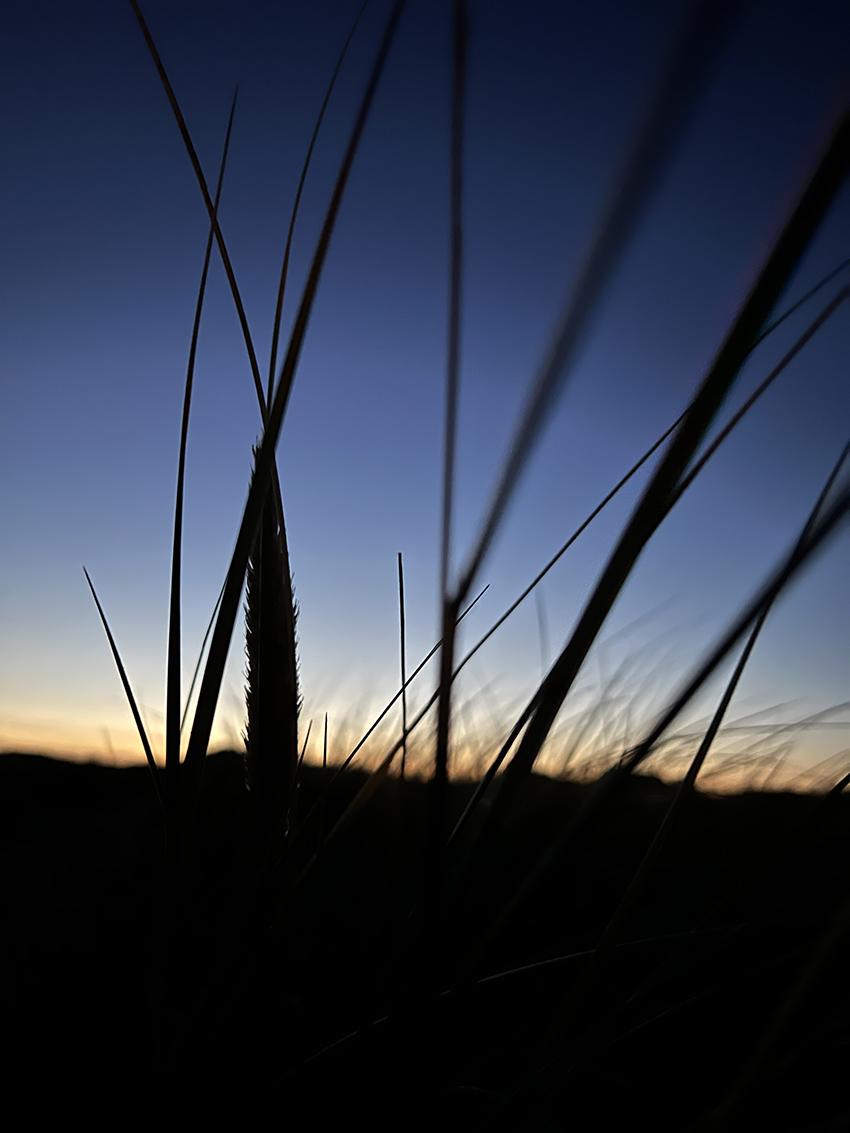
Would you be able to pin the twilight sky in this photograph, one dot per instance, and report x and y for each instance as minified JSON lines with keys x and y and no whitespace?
{"x":102,"y":234}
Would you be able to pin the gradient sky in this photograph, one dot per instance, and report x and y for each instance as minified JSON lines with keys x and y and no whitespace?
{"x":102,"y":233}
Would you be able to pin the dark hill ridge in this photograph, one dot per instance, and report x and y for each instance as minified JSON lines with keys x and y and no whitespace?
{"x":82,"y":848}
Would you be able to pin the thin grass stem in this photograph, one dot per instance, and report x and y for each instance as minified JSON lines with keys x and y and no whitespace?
{"x":403,"y":658}
{"x":284,"y":271}
{"x":154,"y":770}
{"x":172,"y":708}
{"x":209,"y":628}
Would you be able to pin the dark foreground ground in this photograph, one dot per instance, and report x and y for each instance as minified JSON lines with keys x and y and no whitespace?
{"x":103,"y":1008}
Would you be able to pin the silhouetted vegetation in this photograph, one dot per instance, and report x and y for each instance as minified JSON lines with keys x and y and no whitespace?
{"x":331,"y":947}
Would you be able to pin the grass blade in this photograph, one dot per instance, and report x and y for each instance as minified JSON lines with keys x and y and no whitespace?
{"x":154,"y":770}
{"x":284,"y":271}
{"x":208,"y":202}
{"x":660,"y":494}
{"x":211,"y":682}
{"x":674,"y":99}
{"x":727,"y":429}
{"x":450,"y":605}
{"x":198,"y":663}
{"x":403,"y":655}
{"x":828,"y":278}
{"x":172,"y":703}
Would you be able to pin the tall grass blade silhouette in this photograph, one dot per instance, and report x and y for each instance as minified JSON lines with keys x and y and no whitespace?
{"x":174,"y":658}
{"x":450,"y":604}
{"x":284,"y":270}
{"x":143,"y":736}
{"x":208,"y":202}
{"x":403,"y":662}
{"x":288,"y":661}
{"x":200,"y":660}
{"x":211,"y":682}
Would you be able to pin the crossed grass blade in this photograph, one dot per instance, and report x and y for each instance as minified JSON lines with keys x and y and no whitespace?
{"x":284,"y":270}
{"x":273,"y":697}
{"x":662,"y":492}
{"x":177,"y":802}
{"x":287,"y":663}
{"x":208,"y":202}
{"x":220,"y":643}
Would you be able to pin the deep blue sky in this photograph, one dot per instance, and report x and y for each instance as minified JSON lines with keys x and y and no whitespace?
{"x":102,"y":231}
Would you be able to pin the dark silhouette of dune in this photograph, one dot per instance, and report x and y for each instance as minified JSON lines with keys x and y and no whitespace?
{"x":82,"y":875}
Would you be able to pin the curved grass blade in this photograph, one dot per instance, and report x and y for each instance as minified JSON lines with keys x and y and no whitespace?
{"x":290,"y":662}
{"x":284,"y":271}
{"x":172,"y":700}
{"x":222,"y":634}
{"x":225,"y":255}
{"x":208,"y":202}
{"x":154,"y":770}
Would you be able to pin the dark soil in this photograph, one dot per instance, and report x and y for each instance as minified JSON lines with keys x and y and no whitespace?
{"x":98,"y":989}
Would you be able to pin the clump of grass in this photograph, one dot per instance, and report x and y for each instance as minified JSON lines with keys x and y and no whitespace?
{"x":444,"y":1028}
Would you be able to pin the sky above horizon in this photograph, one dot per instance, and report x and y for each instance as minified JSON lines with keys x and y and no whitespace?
{"x":102,"y":235}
